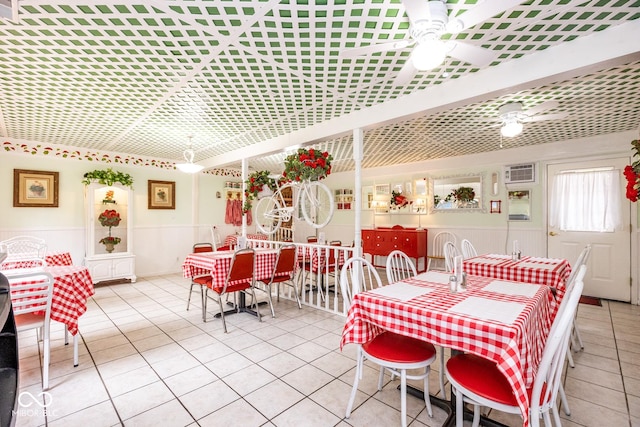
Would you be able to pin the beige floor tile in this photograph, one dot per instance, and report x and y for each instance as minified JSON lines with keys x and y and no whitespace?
{"x":102,"y":414}
{"x":236,"y":413}
{"x":171,"y":413}
{"x":248,"y":379}
{"x":200,"y":402}
{"x":130,"y":380}
{"x":307,"y":379}
{"x":274,"y":398}
{"x":142,"y":399}
{"x":190,"y":380}
{"x":310,"y":412}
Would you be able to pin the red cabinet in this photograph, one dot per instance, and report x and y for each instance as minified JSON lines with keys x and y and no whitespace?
{"x":381,"y":241}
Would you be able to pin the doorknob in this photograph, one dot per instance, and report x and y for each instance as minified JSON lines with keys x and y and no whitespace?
{"x":553,"y":233}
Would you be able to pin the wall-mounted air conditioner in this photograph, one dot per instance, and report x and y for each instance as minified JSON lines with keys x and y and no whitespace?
{"x":516,"y":174}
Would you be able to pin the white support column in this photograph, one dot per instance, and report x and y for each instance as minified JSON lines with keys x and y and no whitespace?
{"x":245,"y":173}
{"x":358,"y":140}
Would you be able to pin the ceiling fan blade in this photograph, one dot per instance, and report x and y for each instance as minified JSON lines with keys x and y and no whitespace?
{"x":476,"y":55}
{"x":548,"y":105}
{"x":545,"y":117}
{"x":417,"y":10}
{"x":406,"y":73}
{"x":375,"y":48}
{"x":479,"y":13}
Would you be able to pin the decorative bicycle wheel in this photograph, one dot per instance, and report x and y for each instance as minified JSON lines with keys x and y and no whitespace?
{"x":317,"y":204}
{"x":267,"y":215}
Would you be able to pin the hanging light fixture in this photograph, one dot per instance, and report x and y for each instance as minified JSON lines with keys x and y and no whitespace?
{"x":189,"y":166}
{"x":511,"y":127}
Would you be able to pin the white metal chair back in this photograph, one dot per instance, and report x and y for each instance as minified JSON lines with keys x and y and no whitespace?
{"x":468,"y":251}
{"x":25,"y":249}
{"x":31,"y":295}
{"x":399,"y":267}
{"x":357,"y":275}
{"x":583,"y":258}
{"x":215,"y":237}
{"x":437,"y":249}
{"x":450,"y":252}
{"x":549,"y":376}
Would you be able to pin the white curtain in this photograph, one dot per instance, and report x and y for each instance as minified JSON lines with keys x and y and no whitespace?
{"x":586,"y":201}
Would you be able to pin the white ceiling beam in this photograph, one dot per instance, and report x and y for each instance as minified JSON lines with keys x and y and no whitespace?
{"x":614,"y":46}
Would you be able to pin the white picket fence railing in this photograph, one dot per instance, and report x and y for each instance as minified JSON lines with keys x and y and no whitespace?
{"x":318,"y":275}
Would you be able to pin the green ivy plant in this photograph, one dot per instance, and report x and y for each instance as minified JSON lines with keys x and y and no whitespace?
{"x":108,"y":177}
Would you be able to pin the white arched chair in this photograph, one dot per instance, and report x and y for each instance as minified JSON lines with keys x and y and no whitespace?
{"x":25,"y":250}
{"x":399,"y":267}
{"x":450,"y":252}
{"x":357,"y":275}
{"x":437,"y":249}
{"x":468,"y":251}
{"x":478,"y":381}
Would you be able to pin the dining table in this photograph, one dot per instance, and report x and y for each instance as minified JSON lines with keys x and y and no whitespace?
{"x":50,"y":259}
{"x":72,"y":287}
{"x":503,"y":321}
{"x":218,"y":264}
{"x":552,"y":272}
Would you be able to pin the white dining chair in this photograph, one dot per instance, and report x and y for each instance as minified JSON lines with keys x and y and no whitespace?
{"x":25,"y":249}
{"x":31,"y":295}
{"x":392,"y":352}
{"x":437,"y":249}
{"x":450,"y":252}
{"x":468,"y":251}
{"x":478,"y":381}
{"x":399,"y":267}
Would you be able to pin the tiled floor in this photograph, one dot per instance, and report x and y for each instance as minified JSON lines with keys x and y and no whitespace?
{"x":145,"y":360}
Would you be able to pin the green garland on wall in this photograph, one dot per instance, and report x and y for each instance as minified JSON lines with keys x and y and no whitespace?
{"x":108,"y":177}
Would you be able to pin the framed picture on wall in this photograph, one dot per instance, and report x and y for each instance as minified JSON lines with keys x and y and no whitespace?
{"x":162,"y":194}
{"x":35,"y":188}
{"x":382,"y":189}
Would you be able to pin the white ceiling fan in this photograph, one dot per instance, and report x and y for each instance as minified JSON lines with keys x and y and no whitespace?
{"x":511,"y":116}
{"x":429,"y":22}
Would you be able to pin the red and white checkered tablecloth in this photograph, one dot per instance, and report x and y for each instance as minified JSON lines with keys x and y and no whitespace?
{"x":542,"y":271}
{"x":71,"y":288}
{"x":218,"y":264}
{"x":232,"y":239}
{"x":58,"y":258}
{"x":516,"y":347}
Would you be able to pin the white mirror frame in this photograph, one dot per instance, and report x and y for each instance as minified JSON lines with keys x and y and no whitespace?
{"x":473,"y":177}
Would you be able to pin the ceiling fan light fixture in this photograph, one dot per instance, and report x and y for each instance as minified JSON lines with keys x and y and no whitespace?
{"x":428,"y":54}
{"x":189,"y":166}
{"x":511,"y":128}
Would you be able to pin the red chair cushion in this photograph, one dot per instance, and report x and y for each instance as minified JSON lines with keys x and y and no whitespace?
{"x":399,"y":349}
{"x":482,"y":377}
{"x":233,"y":288}
{"x":202,"y":280}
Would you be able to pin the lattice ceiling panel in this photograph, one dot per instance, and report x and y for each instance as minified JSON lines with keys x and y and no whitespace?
{"x":140,"y":77}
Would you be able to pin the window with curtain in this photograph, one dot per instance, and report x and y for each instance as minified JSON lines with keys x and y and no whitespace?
{"x":586,"y":201}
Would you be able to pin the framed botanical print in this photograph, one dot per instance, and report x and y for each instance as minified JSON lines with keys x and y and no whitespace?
{"x":35,"y":188}
{"x":161,"y":194}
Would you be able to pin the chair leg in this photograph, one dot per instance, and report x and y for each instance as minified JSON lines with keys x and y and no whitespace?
{"x":356,"y":380}
{"x":75,"y":349}
{"x":570,"y":357}
{"x":459,"y":408}
{"x":189,"y":299}
{"x":253,"y":292}
{"x":204,"y":305}
{"x":563,"y":399}
{"x":381,"y":378}
{"x":429,"y":264}
{"x":224,"y":324}
{"x":47,"y":359}
{"x":476,"y":416}
{"x":427,"y":400}
{"x":273,"y":313}
{"x":403,"y":397}
{"x":295,"y":290}
{"x":577,"y":334}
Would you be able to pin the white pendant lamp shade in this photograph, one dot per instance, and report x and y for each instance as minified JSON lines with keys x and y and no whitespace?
{"x":189,"y":166}
{"x":428,"y":54}
{"x":511,"y":128}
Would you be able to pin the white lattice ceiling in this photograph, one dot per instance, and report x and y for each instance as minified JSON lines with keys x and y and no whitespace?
{"x":139,"y":77}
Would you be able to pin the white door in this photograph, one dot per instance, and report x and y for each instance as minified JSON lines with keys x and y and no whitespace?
{"x":609,"y":268}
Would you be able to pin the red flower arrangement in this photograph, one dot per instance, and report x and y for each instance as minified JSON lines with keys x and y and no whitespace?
{"x":310,"y":165}
{"x":398,"y":200}
{"x":109,"y":218}
{"x":632,"y":173}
